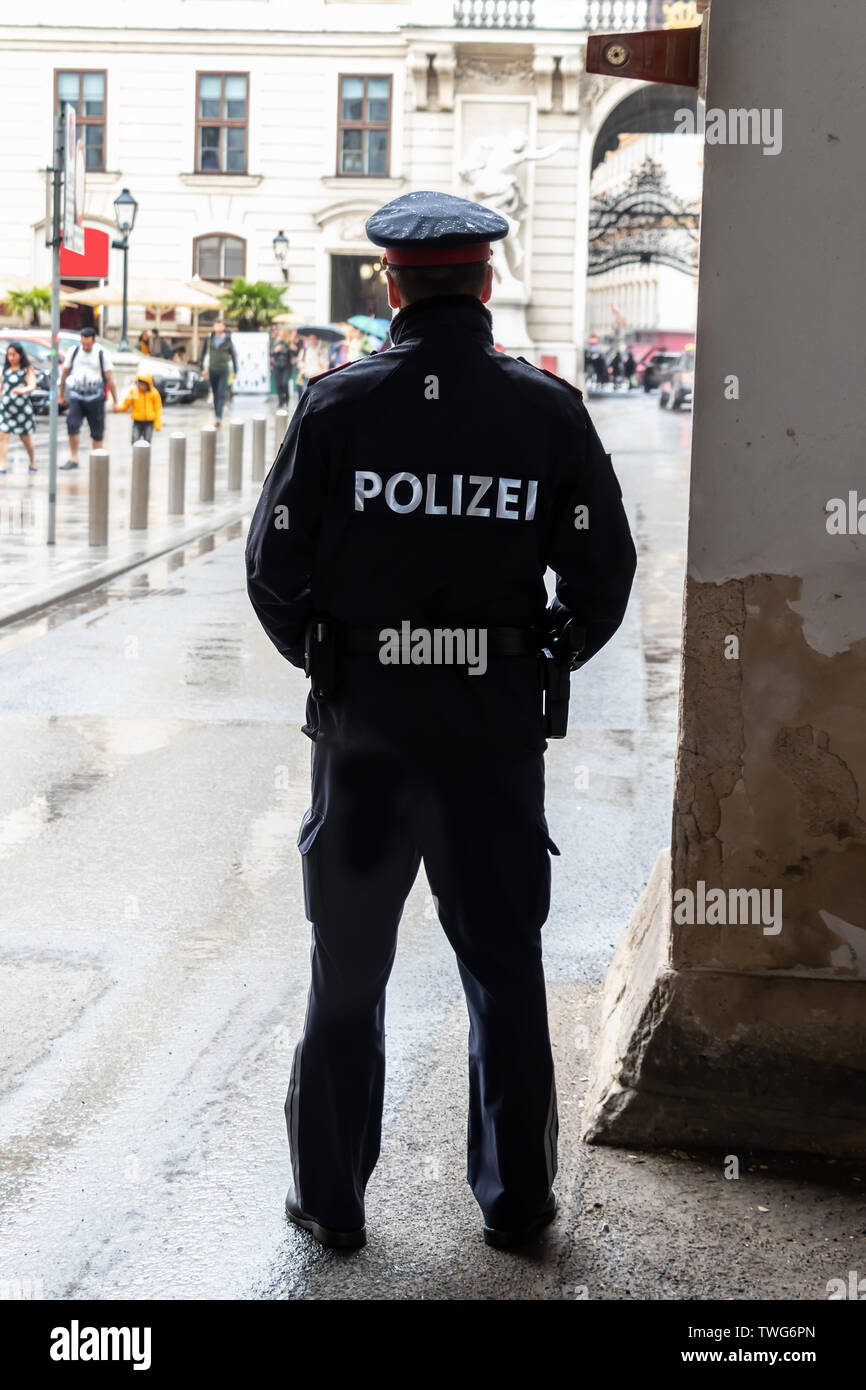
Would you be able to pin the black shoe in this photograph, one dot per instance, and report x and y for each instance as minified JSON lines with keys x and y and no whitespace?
{"x":522,"y":1235}
{"x":70,"y":464}
{"x":334,"y":1240}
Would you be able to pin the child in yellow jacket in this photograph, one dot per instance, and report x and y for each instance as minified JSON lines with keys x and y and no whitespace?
{"x":145,"y":402}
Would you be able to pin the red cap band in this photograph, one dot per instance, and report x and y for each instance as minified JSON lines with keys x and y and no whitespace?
{"x":437,"y":255}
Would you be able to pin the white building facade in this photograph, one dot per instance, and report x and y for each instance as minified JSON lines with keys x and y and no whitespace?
{"x":232,"y":120}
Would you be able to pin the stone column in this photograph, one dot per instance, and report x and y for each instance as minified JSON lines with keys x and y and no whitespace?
{"x":753,"y":1031}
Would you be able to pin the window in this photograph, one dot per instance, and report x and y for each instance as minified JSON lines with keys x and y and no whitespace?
{"x":221,"y":123}
{"x":85,"y":90}
{"x":219,"y":258}
{"x":364,"y":125}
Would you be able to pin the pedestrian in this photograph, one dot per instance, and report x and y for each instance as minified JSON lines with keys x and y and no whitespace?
{"x":145,"y":404}
{"x":601,"y":370}
{"x":218,"y":360}
{"x":338,"y":353}
{"x":312,"y":359}
{"x":84,"y":382}
{"x":616,"y":368}
{"x":145,"y":342}
{"x":281,"y":366}
{"x":16,"y":407}
{"x":630,"y":370}
{"x":411,"y":585}
{"x":295,"y":348}
{"x":355,"y":345}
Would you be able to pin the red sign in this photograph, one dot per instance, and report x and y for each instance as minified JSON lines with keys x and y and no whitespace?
{"x":93,"y":263}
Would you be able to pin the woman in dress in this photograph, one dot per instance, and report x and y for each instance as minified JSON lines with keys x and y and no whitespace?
{"x":16,"y":408}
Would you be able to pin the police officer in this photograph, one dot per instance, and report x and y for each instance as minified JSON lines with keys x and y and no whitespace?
{"x":398,"y":552}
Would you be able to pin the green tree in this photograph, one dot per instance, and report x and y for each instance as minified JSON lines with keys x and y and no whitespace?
{"x":32,"y":302}
{"x":253,"y":303}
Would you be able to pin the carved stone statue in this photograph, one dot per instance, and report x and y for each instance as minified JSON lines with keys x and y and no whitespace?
{"x":492,"y":174}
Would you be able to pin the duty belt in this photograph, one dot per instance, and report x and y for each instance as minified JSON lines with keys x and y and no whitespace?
{"x":501,"y":641}
{"x":558,"y":651}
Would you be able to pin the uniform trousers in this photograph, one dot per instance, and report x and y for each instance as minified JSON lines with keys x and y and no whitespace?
{"x":478,"y":826}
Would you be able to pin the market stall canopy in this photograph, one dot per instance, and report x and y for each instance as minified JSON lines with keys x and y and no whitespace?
{"x":207,"y":286}
{"x":153,"y":294}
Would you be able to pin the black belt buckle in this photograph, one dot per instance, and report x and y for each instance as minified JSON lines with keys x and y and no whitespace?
{"x":320,"y":641}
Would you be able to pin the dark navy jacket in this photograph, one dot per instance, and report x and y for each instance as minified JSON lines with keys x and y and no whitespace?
{"x":436,"y":482}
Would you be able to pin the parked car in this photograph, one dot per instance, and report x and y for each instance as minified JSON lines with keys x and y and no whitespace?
{"x":677,"y":382}
{"x":652,"y":367}
{"x":195,"y":388}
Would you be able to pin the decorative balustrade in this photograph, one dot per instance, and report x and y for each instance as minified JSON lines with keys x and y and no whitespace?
{"x":614,"y":16}
{"x":590,"y":16}
{"x":494,"y":14}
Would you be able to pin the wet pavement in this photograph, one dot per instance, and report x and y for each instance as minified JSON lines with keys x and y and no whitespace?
{"x":155,"y":963}
{"x":32,"y":572}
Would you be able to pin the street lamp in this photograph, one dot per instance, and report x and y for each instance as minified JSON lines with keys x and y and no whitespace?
{"x":125,"y":208}
{"x":281,"y":252}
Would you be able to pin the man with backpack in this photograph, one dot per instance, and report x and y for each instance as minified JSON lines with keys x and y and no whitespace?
{"x":85,"y":380}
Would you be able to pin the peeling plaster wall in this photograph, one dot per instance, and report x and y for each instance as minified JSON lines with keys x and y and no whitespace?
{"x":770,"y":772}
{"x":771,"y":769}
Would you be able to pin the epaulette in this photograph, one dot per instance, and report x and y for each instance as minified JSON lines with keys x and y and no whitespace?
{"x":561,"y":379}
{"x":320,"y":376}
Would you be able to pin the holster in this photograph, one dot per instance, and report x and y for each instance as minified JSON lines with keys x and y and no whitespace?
{"x":320,"y":658}
{"x":559,"y":658}
{"x":557,"y":690}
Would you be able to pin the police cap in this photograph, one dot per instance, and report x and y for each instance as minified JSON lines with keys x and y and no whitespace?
{"x":427,"y":228}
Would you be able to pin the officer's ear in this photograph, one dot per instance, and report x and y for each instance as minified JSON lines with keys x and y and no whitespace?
{"x":488,"y":285}
{"x":393,"y":293}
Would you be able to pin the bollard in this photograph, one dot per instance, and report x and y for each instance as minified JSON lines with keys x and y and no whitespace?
{"x":176,"y":474}
{"x":260,"y":424}
{"x":236,"y":455}
{"x":98,"y":502}
{"x":281,"y":424}
{"x":139,"y":493}
{"x":207,"y":464}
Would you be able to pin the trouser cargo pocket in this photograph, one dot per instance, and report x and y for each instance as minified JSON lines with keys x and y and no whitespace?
{"x":310,"y":827}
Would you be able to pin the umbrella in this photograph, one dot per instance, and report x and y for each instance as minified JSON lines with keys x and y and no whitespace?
{"x":324,"y":331}
{"x":288,"y":318}
{"x":377,"y":328}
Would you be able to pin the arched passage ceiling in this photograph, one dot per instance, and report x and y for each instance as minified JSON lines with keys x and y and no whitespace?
{"x":649,"y":109}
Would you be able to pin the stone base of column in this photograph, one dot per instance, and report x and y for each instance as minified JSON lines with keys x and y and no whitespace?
{"x":713,"y":1058}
